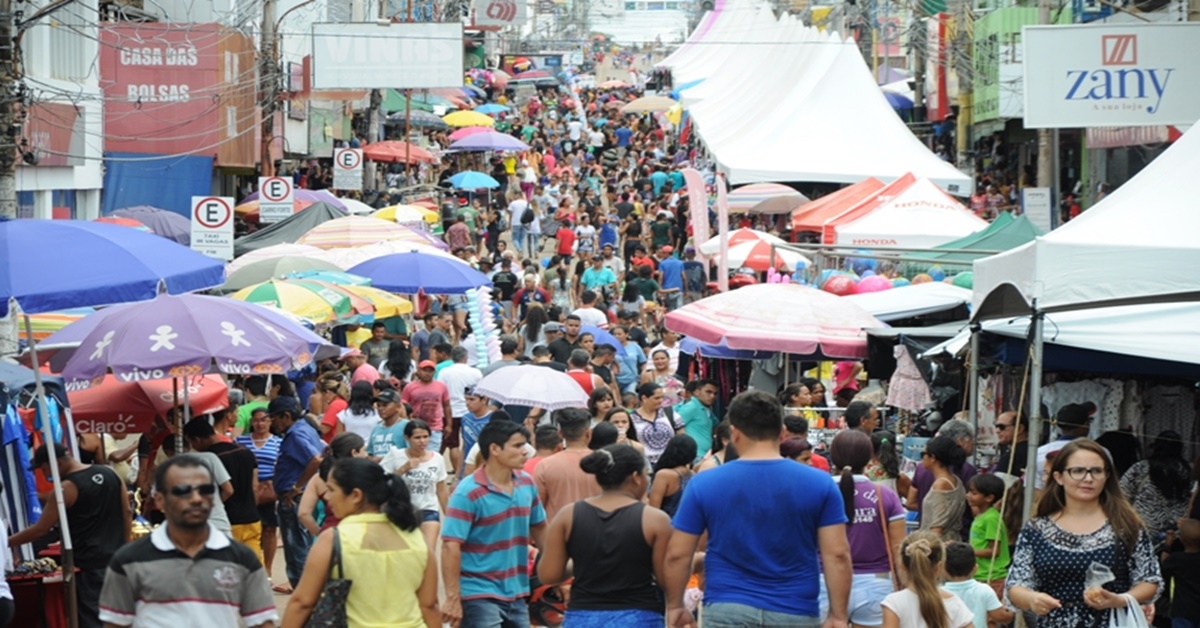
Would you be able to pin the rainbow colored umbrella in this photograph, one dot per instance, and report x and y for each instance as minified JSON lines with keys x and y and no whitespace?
{"x":358,"y":231}
{"x":312,"y":301}
{"x":386,"y":304}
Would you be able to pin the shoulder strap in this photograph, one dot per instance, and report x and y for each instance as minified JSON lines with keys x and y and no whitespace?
{"x":337,"y":556}
{"x":887,"y":541}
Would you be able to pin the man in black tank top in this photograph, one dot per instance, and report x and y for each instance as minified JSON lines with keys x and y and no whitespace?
{"x":93,"y":495}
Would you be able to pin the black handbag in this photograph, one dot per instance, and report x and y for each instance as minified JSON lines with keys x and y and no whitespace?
{"x":330,"y":610}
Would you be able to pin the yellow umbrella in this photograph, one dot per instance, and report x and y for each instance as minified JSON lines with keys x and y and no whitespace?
{"x":318,"y":303}
{"x":406,"y":214}
{"x":675,"y":114}
{"x":386,"y":304}
{"x":468,"y":118}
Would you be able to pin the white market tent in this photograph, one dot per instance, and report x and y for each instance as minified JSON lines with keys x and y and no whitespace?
{"x":1138,"y":245}
{"x":909,"y":301}
{"x":785,"y":102}
{"x":919,"y":216}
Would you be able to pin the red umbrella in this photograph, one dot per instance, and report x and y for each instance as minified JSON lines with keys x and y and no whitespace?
{"x":119,"y":408}
{"x":395,"y":151}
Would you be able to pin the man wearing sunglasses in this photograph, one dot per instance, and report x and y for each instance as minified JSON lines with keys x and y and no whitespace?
{"x":1013,"y":436}
{"x":93,"y":494}
{"x":186,"y":572}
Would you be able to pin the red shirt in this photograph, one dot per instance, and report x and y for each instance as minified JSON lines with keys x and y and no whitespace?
{"x":330,"y":418}
{"x":819,"y":462}
{"x":643,"y":261}
{"x":566,"y":240}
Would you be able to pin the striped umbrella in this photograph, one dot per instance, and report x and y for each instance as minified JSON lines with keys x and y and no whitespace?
{"x":50,"y":322}
{"x":765,"y":198}
{"x":351,"y":257}
{"x":468,"y":131}
{"x":285,"y":249}
{"x":309,"y":300}
{"x":358,"y":231}
{"x":274,"y":268}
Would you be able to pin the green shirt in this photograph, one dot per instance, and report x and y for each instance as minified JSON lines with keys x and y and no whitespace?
{"x":247,"y":409}
{"x":502,"y":127}
{"x":661,"y":231}
{"x":470,"y":216}
{"x":988,"y":527}
{"x":698,"y":422}
{"x":648,"y":288}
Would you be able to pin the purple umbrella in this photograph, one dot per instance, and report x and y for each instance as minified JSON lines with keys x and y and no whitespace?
{"x":489,"y":140}
{"x":178,"y":336}
{"x":162,"y":222}
{"x":308,"y":196}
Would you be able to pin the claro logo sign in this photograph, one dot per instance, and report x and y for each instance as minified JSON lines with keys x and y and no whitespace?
{"x":1119,"y":83}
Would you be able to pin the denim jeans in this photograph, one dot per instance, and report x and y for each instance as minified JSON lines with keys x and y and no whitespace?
{"x":518,"y":237}
{"x":435,"y":439}
{"x":726,"y":615}
{"x":296,"y":541}
{"x":487,"y":613}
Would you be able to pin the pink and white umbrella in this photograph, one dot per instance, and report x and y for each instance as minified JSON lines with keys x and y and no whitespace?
{"x":468,"y":131}
{"x":778,"y":317}
{"x":712,"y":246}
{"x":757,"y":255}
{"x":533,"y":386}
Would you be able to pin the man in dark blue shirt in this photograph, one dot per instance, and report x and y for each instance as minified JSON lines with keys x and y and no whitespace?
{"x":300,"y":455}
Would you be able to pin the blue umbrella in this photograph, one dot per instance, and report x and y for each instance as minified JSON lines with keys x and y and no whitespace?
{"x":897,"y":101}
{"x":471,"y":180}
{"x":603,"y":337}
{"x":722,"y":351}
{"x":53,"y":265}
{"x":489,"y":140}
{"x":491,"y":108}
{"x":411,"y":272}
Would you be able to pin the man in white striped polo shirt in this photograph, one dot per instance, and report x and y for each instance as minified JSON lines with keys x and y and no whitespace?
{"x":186,"y":572}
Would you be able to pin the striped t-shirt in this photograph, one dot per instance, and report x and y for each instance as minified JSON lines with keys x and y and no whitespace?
{"x":493,"y":528}
{"x":265,"y":455}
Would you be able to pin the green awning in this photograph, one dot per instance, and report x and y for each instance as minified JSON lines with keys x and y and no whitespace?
{"x":1005,"y":233}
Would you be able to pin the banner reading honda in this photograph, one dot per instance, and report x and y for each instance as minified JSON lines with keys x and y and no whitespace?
{"x":1111,"y":75}
{"x":161,"y":93}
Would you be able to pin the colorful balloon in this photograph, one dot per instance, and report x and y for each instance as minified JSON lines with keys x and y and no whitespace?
{"x":873,"y":283}
{"x":922,"y":278}
{"x":900,"y":282}
{"x":936,"y":273}
{"x":965,"y":280}
{"x":840,"y":285}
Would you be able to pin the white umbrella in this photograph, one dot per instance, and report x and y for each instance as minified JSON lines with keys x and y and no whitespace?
{"x":533,"y":386}
{"x":712,"y":246}
{"x":271,"y":252}
{"x":356,"y":207}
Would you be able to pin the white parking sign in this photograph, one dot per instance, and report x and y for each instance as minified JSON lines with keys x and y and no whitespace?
{"x":347,"y":169}
{"x":274,"y":199}
{"x":212,"y":226}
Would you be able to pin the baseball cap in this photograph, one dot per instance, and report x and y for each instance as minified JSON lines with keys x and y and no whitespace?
{"x":388,"y":396}
{"x":668,"y":249}
{"x":607,"y":245}
{"x":283,"y":405}
{"x":427,"y":364}
{"x":549,"y":327}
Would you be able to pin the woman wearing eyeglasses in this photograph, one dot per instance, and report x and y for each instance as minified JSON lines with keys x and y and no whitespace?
{"x":1081,"y":519}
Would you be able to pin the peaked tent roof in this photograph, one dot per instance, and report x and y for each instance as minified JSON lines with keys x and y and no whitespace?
{"x":1138,"y":245}
{"x":1004,"y":234}
{"x":289,"y":229}
{"x":812,"y":216}
{"x":920,"y":215}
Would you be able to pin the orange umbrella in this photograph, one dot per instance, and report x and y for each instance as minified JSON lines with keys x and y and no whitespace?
{"x":396,"y":151}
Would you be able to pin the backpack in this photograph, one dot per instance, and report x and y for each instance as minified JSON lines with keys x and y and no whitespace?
{"x":527,"y":216}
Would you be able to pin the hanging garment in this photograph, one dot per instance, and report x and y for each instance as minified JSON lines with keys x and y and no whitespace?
{"x":907,"y":390}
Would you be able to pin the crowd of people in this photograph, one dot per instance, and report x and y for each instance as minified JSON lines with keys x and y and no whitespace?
{"x":387,"y":470}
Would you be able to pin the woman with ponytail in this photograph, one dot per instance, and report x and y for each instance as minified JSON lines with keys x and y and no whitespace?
{"x":381,"y":549}
{"x":876,"y":528}
{"x":617,"y":544}
{"x":924,"y":604}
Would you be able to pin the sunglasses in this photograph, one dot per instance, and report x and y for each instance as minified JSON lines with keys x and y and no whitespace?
{"x":1000,"y":427}
{"x":184,"y":490}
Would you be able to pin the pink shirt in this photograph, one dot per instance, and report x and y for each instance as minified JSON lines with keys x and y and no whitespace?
{"x":428,"y":402}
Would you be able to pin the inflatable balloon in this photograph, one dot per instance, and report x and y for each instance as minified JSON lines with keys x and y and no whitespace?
{"x":965,"y":280}
{"x":859,"y":264}
{"x":826,"y":274}
{"x":900,"y":282}
{"x":868,"y":273}
{"x":873,"y":283}
{"x":936,"y":273}
{"x":840,"y":285}
{"x":922,"y":278}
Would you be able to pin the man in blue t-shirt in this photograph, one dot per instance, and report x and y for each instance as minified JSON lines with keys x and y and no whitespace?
{"x":766,"y":518}
{"x":670,"y":279}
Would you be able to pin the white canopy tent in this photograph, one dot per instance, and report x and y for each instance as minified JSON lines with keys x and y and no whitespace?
{"x":1138,"y":245}
{"x":909,"y":301}
{"x":920,"y":216}
{"x":784,"y":102}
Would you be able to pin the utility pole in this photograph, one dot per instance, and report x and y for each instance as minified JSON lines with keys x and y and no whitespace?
{"x":375,"y":117}
{"x":10,"y":114}
{"x":1046,"y":157}
{"x":268,"y":86}
{"x":408,"y":112}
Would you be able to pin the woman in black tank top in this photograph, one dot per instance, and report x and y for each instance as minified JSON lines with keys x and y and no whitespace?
{"x":611,"y":539}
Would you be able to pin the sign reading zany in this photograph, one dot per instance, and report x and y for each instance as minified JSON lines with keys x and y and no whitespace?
{"x":1111,"y":75}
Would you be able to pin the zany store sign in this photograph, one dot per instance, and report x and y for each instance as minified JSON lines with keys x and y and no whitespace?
{"x":1111,"y":75}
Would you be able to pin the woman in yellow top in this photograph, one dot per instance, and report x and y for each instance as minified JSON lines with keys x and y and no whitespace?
{"x":394,"y":572}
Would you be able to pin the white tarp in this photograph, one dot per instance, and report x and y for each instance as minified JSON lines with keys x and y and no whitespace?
{"x":784,"y":102}
{"x":920,"y":216}
{"x":909,"y":301}
{"x":1160,"y":331}
{"x":1138,"y":245}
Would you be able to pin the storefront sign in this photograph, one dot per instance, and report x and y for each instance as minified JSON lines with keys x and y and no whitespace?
{"x":1038,"y":206}
{"x":347,"y":169}
{"x":1111,"y":75}
{"x":212,"y":226}
{"x":500,"y":12}
{"x":51,"y":131}
{"x":397,"y":56}
{"x":274,"y":199}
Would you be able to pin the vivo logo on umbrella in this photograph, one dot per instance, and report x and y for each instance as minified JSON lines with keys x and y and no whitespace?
{"x":1129,"y":87}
